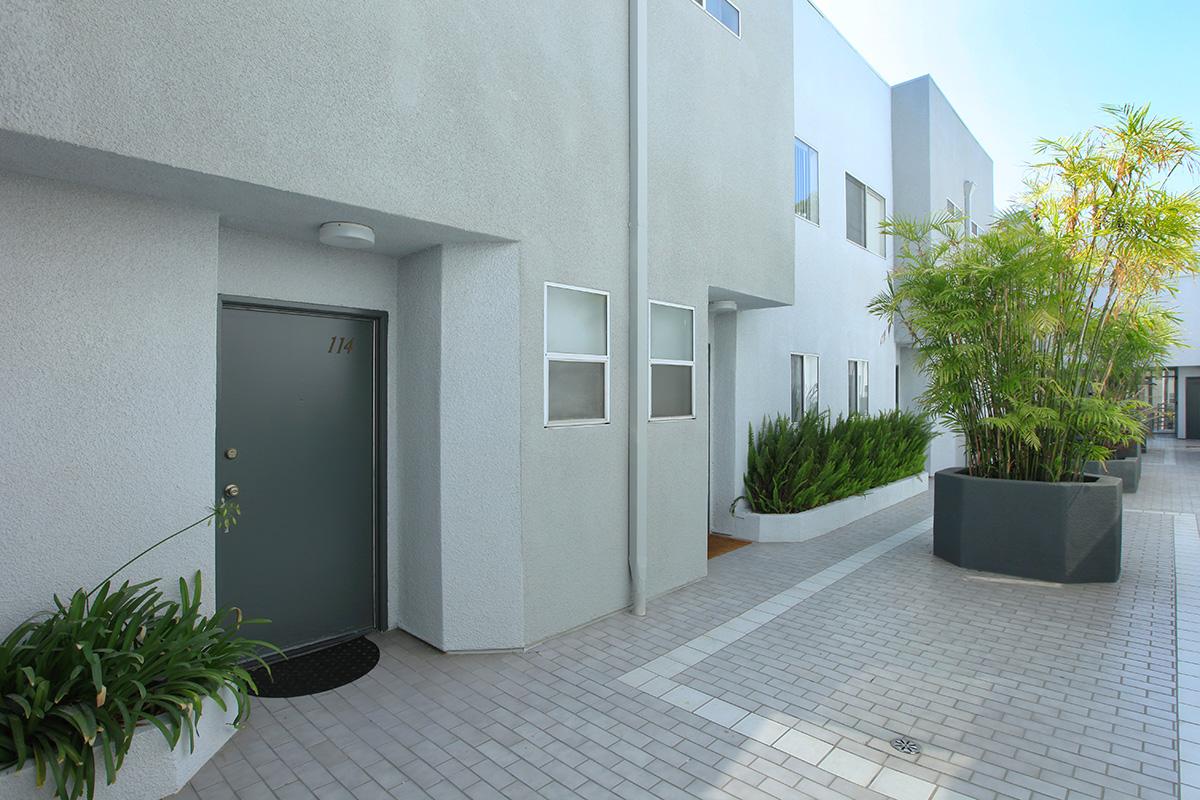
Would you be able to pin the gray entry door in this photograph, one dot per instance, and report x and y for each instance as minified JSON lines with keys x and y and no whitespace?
{"x":296,"y":401}
{"x":1192,"y":399}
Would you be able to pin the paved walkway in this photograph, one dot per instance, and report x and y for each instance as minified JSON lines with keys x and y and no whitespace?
{"x":787,"y":673}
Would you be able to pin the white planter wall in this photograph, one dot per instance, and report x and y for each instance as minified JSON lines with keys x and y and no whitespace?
{"x":823,"y":519}
{"x":151,"y":770}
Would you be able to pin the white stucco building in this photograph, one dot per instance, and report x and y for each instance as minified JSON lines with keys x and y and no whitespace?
{"x":865,"y":151}
{"x":495,"y":424}
{"x":1175,"y":392}
{"x":449,"y":433}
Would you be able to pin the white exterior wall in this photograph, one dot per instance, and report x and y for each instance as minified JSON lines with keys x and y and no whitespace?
{"x":410,"y":118}
{"x":107,"y":390}
{"x":720,"y":223}
{"x":848,"y":122}
{"x":488,"y":145}
{"x":1186,"y":303}
{"x":934,"y":154}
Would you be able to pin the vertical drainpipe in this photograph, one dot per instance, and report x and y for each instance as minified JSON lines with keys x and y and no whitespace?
{"x":639,"y":304}
{"x":968,"y":193}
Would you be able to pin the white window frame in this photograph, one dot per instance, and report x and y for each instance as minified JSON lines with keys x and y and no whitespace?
{"x":575,"y":357}
{"x":867,"y":192}
{"x":703,"y":6}
{"x":668,"y":362}
{"x":818,"y":382}
{"x":883,"y":216}
{"x":816,"y":182}
{"x":867,"y":370}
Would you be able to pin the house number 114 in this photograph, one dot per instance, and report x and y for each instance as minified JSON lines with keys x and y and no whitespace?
{"x":340,"y":344}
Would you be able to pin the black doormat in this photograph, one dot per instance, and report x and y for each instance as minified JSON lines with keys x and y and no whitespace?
{"x":318,"y":671}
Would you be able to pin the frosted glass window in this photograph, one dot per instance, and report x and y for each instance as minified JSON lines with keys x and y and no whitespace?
{"x":670,"y":332}
{"x":806,"y":182}
{"x":859,"y":389}
{"x":672,"y":361}
{"x":856,"y":212}
{"x":671,"y":395}
{"x":876,"y":212}
{"x":576,"y":361}
{"x":806,"y":393}
{"x":576,"y":321}
{"x":576,"y":391}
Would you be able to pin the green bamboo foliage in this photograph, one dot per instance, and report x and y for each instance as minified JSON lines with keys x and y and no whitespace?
{"x":1033,"y":334}
{"x":794,"y":466}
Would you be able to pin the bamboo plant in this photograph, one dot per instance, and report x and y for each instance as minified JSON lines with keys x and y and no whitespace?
{"x":1029,"y":332}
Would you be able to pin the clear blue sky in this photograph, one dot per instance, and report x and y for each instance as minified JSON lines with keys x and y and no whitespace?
{"x":1017,"y":70}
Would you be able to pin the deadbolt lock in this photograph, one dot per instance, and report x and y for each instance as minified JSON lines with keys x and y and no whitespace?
{"x":231,"y":453}
{"x":232,"y":490}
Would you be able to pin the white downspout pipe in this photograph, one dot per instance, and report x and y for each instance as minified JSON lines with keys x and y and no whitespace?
{"x":968,"y":194}
{"x":639,"y":304}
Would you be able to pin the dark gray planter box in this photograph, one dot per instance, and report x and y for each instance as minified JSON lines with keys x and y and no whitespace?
{"x":1061,"y":532}
{"x":1128,"y":469}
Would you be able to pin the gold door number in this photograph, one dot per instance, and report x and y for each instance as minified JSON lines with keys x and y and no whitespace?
{"x":340,"y":344}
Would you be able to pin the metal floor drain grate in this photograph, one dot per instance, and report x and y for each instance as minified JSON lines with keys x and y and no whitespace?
{"x":906,"y":746}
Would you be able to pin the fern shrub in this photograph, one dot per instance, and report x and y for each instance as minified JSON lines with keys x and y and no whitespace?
{"x":794,"y":466}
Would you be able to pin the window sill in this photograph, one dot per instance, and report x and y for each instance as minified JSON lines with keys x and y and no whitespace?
{"x":809,"y":221}
{"x":866,"y":249}
{"x":577,"y":423}
{"x":672,"y":419}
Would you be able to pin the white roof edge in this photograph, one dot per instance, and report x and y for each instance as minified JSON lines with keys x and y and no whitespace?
{"x":930,"y":79}
{"x":853,"y":49}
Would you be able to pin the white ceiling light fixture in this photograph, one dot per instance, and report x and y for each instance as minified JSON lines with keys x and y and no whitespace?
{"x":347,"y":234}
{"x":722,"y":306}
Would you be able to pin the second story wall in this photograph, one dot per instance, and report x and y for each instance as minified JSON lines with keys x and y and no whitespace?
{"x":843,"y":112}
{"x":1186,"y":303}
{"x":720,"y":120}
{"x":934,"y":153}
{"x":497,"y":118}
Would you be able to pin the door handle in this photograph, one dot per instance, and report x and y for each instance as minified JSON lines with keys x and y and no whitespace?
{"x":232,"y":490}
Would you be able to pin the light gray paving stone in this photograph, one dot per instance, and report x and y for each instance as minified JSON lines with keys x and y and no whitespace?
{"x":849,"y":766}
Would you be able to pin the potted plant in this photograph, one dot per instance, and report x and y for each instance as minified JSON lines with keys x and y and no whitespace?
{"x":113,"y":683}
{"x":1019,"y":331}
{"x":1139,"y":344}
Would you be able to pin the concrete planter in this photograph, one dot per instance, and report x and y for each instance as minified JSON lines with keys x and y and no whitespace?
{"x":1061,"y":532}
{"x":151,"y":770}
{"x":823,"y":519}
{"x":1128,"y":469}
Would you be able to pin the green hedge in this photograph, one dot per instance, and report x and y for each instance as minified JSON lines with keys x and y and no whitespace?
{"x":795,"y":466}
